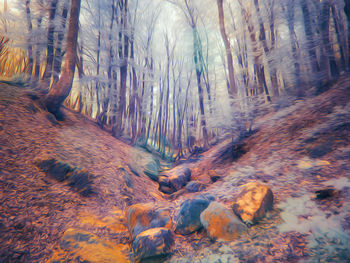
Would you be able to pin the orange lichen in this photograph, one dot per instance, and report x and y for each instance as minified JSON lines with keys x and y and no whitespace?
{"x":84,"y":246}
{"x":142,"y":214}
{"x":220,"y":223}
{"x":115,"y":223}
{"x":138,"y":213}
{"x":252,"y":201}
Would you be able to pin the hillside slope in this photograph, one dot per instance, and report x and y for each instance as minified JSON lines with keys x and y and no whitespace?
{"x":296,"y":151}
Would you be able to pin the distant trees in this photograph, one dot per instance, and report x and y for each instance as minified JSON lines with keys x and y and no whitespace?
{"x":176,"y":79}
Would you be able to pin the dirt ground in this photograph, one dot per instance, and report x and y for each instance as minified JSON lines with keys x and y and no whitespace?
{"x":296,"y":151}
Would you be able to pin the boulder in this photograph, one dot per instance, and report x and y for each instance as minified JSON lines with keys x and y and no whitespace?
{"x":252,"y":202}
{"x":81,"y":246}
{"x":174,"y":180}
{"x":153,"y":242}
{"x":194,"y":186}
{"x":220,"y":222}
{"x":188,"y":218}
{"x":141,"y":217}
{"x":152,"y":169}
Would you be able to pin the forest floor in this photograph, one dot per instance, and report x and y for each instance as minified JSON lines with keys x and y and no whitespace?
{"x":296,"y":150}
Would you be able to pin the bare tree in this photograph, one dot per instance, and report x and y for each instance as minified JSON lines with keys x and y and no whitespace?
{"x":60,"y":91}
{"x":45,"y":83}
{"x":232,"y":87}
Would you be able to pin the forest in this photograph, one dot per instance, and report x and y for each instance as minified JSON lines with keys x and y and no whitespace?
{"x":188,"y":94}
{"x":179,"y":75}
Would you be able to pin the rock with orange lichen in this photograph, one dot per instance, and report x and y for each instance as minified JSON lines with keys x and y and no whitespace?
{"x":153,"y":242}
{"x":82,"y":246}
{"x":253,"y":201}
{"x":174,"y":180}
{"x":188,"y":218}
{"x":141,"y":217}
{"x":220,"y":222}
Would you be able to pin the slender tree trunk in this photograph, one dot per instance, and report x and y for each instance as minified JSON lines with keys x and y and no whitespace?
{"x":232,"y":87}
{"x":310,"y":39}
{"x":50,"y":46}
{"x":290,"y":9}
{"x":29,"y":40}
{"x":339,"y":30}
{"x":347,"y":12}
{"x":262,"y":39}
{"x":60,"y":91}
{"x":133,"y":95}
{"x":329,"y":64}
{"x":199,"y":70}
{"x":37,"y":53}
{"x":57,"y":63}
{"x":117,"y":128}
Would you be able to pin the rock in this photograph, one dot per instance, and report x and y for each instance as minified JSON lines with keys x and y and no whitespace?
{"x":152,"y":169}
{"x":220,"y":222}
{"x":253,"y":201}
{"x":214,"y":176}
{"x":175,"y":180}
{"x":153,"y":242}
{"x":321,"y":150}
{"x":141,"y":217}
{"x":80,"y":180}
{"x":195,"y":186}
{"x":81,"y":246}
{"x":325,"y":193}
{"x":188,"y":218}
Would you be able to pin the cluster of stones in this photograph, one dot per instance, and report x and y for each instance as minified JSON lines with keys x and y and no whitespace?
{"x":151,"y":228}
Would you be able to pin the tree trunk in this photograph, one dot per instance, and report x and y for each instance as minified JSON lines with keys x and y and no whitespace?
{"x":289,"y":9}
{"x":329,"y":64}
{"x":60,"y":91}
{"x":57,"y":63}
{"x":310,"y":38}
{"x":339,"y":29}
{"x":232,"y":87}
{"x":37,"y":53}
{"x":199,"y":70}
{"x":132,"y":96}
{"x":50,"y":46}
{"x":29,"y":40}
{"x":347,"y":12}
{"x":117,"y":128}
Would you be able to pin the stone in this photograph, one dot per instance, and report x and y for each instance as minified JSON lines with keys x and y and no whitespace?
{"x":175,"y":180}
{"x":153,"y":242}
{"x":325,"y":193}
{"x":194,"y":186}
{"x":220,"y":223}
{"x":81,"y":246}
{"x":152,"y":169}
{"x":80,"y":180}
{"x":188,"y":218}
{"x":141,"y":217}
{"x":252,"y":202}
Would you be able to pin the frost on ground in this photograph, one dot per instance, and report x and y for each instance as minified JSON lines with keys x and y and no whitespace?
{"x":327,"y":239}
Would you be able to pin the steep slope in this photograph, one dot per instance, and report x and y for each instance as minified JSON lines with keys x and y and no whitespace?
{"x":36,"y":209}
